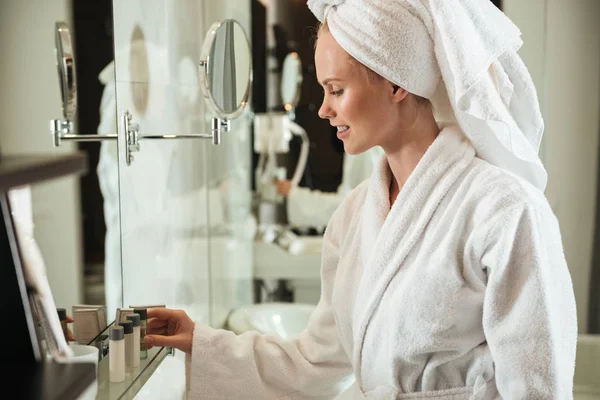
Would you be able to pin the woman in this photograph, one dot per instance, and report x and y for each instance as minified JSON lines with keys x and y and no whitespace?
{"x":443,"y":276}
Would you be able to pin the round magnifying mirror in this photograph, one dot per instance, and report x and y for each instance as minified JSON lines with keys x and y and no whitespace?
{"x":226,"y":68}
{"x":66,"y":69}
{"x":291,"y":81}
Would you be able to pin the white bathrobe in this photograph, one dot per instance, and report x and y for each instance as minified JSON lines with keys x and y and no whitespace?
{"x":460,"y":291}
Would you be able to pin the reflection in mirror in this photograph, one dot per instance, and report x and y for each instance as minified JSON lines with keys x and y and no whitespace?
{"x":65,"y":63}
{"x":139,"y":67}
{"x":227,"y":71}
{"x":291,"y":81}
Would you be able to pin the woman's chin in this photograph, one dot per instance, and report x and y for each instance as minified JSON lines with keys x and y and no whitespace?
{"x":350,"y":149}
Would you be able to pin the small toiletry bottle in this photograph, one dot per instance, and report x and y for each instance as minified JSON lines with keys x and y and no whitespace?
{"x":144,"y":325}
{"x":102,"y":344}
{"x":135,"y":319}
{"x":116,"y":353}
{"x":128,"y":328}
{"x":62,"y":315}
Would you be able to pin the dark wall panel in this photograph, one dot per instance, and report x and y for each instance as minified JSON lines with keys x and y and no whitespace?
{"x":93,"y":36}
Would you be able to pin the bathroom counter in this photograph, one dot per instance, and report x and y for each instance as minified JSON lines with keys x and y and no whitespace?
{"x":271,"y":261}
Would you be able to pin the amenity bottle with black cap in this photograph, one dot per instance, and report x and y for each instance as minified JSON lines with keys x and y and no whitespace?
{"x":135,"y":319}
{"x":62,"y":315}
{"x":116,"y":354}
{"x":143,"y":326}
{"x":128,"y":328}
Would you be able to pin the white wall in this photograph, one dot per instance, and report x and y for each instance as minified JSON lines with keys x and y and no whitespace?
{"x":30,"y":99}
{"x":562,"y":51}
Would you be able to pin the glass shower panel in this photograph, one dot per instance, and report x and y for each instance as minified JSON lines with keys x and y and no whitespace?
{"x":107,"y":172}
{"x":163,"y":192}
{"x":232,"y":226}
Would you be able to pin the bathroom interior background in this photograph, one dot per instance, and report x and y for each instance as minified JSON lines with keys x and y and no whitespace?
{"x":186,"y":233}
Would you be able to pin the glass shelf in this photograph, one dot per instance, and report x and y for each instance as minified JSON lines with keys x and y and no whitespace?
{"x":133,"y":382}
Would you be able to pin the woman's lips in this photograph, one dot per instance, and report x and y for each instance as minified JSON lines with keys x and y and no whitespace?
{"x":343,"y":134}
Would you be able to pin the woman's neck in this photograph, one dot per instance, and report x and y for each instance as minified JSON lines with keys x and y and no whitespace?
{"x":404,"y":154}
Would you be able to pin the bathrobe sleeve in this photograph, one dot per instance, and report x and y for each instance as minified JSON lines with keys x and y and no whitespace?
{"x":313,"y":364}
{"x":529,"y":316}
{"x":312,"y":208}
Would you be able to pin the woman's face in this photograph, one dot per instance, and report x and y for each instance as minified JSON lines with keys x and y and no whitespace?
{"x":363,"y":108}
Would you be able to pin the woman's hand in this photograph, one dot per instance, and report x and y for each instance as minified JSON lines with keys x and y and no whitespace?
{"x":283,"y":187}
{"x":171,"y":328}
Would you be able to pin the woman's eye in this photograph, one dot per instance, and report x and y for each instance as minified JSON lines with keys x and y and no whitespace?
{"x":337,"y":92}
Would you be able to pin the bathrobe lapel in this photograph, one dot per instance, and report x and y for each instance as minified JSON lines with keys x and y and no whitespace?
{"x":389,"y":235}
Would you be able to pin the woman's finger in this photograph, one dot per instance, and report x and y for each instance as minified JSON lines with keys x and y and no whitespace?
{"x":156,"y":331}
{"x":160,"y":312}
{"x":157,"y":323}
{"x":179,"y":342}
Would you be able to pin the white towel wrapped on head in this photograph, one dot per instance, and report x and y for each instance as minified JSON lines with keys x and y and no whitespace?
{"x":460,"y":54}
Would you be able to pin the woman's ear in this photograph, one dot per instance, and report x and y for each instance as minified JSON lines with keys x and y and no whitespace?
{"x":398,"y":93}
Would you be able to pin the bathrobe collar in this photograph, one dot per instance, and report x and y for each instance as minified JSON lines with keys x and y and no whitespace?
{"x":389,"y":234}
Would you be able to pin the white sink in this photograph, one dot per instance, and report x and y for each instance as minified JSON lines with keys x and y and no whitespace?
{"x":284,"y":319}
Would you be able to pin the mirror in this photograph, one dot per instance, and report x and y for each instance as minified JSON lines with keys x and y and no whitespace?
{"x":139,"y":67}
{"x":66,"y":69}
{"x":227,"y":68}
{"x":291,"y":81}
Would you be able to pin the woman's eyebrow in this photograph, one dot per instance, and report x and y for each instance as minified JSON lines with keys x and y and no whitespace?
{"x":329,"y":80}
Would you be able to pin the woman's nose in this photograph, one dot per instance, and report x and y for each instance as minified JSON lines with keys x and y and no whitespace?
{"x":325,"y":111}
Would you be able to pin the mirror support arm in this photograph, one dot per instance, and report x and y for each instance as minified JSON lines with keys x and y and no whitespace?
{"x":218,"y":127}
{"x":62,"y":130}
{"x":89,"y":138}
{"x":133,"y":137}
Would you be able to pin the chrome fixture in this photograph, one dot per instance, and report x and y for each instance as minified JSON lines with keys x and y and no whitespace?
{"x":225,"y":73}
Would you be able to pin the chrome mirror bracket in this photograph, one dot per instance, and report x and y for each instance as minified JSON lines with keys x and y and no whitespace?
{"x":131,"y":134}
{"x":218,"y":127}
{"x":59,"y":128}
